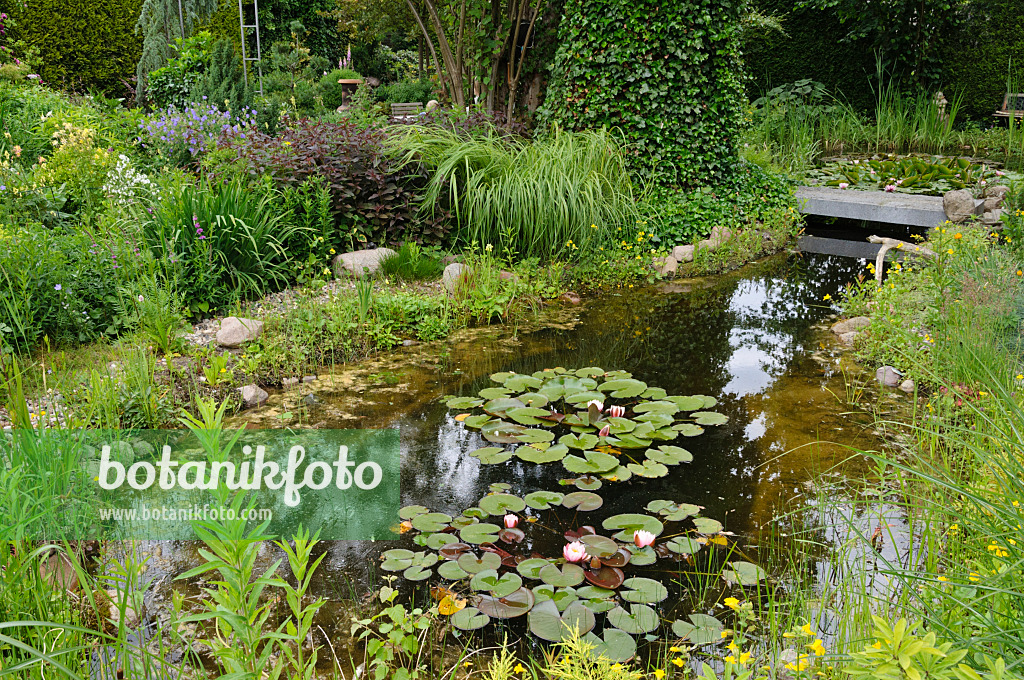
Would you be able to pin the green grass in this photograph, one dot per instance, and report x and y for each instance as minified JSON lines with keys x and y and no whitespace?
{"x":411,"y":263}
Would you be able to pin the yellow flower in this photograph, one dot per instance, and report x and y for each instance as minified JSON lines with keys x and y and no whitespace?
{"x":950,"y":251}
{"x":798,"y":665}
{"x":730,"y":659}
{"x":659,"y":674}
{"x":678,"y":662}
{"x":806,"y":629}
{"x":732,"y":603}
{"x":877,"y":645}
{"x":675,"y":650}
{"x":332,"y":251}
{"x":726,"y":633}
{"x":744,"y":657}
{"x":733,"y":647}
{"x":958,"y":235}
{"x":789,"y":635}
{"x":519,"y":668}
{"x":817,"y":647}
{"x":943,"y":579}
{"x":827,"y":297}
{"x":614,"y":667}
{"x":974,"y":577}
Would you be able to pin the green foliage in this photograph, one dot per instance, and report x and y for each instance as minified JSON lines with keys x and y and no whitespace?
{"x":83,"y":45}
{"x":900,"y":653}
{"x":394,"y":637}
{"x":913,"y":175}
{"x":220,"y":243}
{"x":667,"y":74}
{"x":203,"y":70}
{"x":527,"y":199}
{"x":332,"y":91}
{"x":160,"y":24}
{"x":405,"y":91}
{"x":411,"y":263}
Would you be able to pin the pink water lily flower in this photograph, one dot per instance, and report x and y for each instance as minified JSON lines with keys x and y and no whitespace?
{"x":574,"y":552}
{"x":511,"y":521}
{"x":605,"y":431}
{"x":616,"y":411}
{"x":844,"y":185}
{"x":643,"y":538}
{"x":595,"y":402}
{"x":890,"y":188}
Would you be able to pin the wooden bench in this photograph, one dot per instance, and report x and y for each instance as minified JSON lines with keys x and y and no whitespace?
{"x":1013,"y":105}
{"x":406,"y":110}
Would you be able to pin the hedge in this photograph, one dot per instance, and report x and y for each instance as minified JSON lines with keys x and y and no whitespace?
{"x":84,"y":44}
{"x":666,"y":73}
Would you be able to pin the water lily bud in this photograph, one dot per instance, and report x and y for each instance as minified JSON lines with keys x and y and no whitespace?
{"x":511,"y":521}
{"x":616,"y":411}
{"x":605,"y":431}
{"x":643,"y":538}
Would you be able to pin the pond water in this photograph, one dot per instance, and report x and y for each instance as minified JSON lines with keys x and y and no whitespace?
{"x":756,"y":339}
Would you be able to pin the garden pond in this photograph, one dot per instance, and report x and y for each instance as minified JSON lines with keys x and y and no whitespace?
{"x":755,"y":343}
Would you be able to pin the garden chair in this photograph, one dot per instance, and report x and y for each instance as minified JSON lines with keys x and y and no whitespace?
{"x":1013,"y":105}
{"x":406,"y":110}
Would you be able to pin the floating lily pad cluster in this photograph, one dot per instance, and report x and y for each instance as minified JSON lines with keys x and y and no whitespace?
{"x":493,"y":558}
{"x":600,"y":425}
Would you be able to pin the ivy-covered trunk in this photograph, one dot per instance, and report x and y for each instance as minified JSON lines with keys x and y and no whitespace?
{"x":667,"y":73}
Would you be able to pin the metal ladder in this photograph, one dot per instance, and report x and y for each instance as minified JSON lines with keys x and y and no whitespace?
{"x":259,"y":52}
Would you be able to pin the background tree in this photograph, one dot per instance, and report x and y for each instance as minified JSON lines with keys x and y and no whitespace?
{"x":160,"y":22}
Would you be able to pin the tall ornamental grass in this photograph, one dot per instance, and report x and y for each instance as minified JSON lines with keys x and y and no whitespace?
{"x":536,"y":198}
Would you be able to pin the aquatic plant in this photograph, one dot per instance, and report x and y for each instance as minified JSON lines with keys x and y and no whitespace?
{"x":529,"y":409}
{"x":910,"y":175}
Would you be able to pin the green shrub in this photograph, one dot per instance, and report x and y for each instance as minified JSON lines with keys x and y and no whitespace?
{"x":411,"y":263}
{"x":220,"y":243}
{"x":87,"y":44}
{"x":405,"y":91}
{"x":666,"y":73}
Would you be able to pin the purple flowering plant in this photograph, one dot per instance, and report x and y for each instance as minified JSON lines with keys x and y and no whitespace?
{"x":182,"y":135}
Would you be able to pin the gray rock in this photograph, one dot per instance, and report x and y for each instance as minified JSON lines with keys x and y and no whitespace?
{"x":857,"y":323}
{"x":683,"y":253}
{"x":720,"y":235}
{"x":958,"y":205}
{"x":570,"y":297}
{"x":992,"y":217}
{"x":289,"y":382}
{"x":707,"y":244}
{"x":311,"y":400}
{"x":308,"y":378}
{"x":253,"y":395}
{"x":666,"y":266}
{"x":236,"y":331}
{"x":410,"y":343}
{"x":992,"y":203}
{"x":359,"y":263}
{"x":908,"y":385}
{"x":888,"y":376}
{"x":996,"y":191}
{"x":453,"y":276}
{"x":848,"y":338}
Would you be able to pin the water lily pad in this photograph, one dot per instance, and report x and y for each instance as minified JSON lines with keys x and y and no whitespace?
{"x":638,"y":619}
{"x":688,"y":429}
{"x":542,"y":500}
{"x":709,"y":418}
{"x":615,"y":645}
{"x":599,"y":546}
{"x":605,"y":577}
{"x":684,"y":545}
{"x":463,"y":403}
{"x":452,"y":571}
{"x":744,"y":574}
{"x":502,"y":503}
{"x":619,"y":474}
{"x":530,"y":568}
{"x":495,"y":393}
{"x":617,"y":426}
{"x":547,"y":623}
{"x":629,"y":523}
{"x":469,"y":618}
{"x":398,"y":559}
{"x":585,"y":397}
{"x":491,"y":455}
{"x":501,"y":432}
{"x":539,"y":453}
{"x":474,"y":512}
{"x":583,"y":441}
{"x":596,"y":599}
{"x":522,"y":383}
{"x":630,"y":441}
{"x":454,"y":551}
{"x":669,"y":455}
{"x":417,"y":573}
{"x":513,"y":535}
{"x":643,"y":557}
{"x":643,"y":590}
{"x":500,"y":378}
{"x":463,"y":521}
{"x":592,"y":462}
{"x":589,"y":372}
{"x":584,"y":501}
{"x":688,"y":403}
{"x":588,"y":483}
{"x":536,"y":436}
{"x":673,"y":512}
{"x":431,"y":522}
{"x":709,"y":402}
{"x":562,"y":597}
{"x":624,"y":388}
{"x":659,"y":421}
{"x":498,"y":586}
{"x":535,"y":399}
{"x":499,"y":407}
{"x":649,"y":469}
{"x":701,"y":629}
{"x":509,"y":607}
{"x":660,"y":407}
{"x":527,"y":415}
{"x":472,"y":564}
{"x":438,"y":541}
{"x":477,"y":422}
{"x":410,"y":511}
{"x":480,"y":533}
{"x":564,"y":577}
{"x":706,"y":525}
{"x":621,"y":558}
